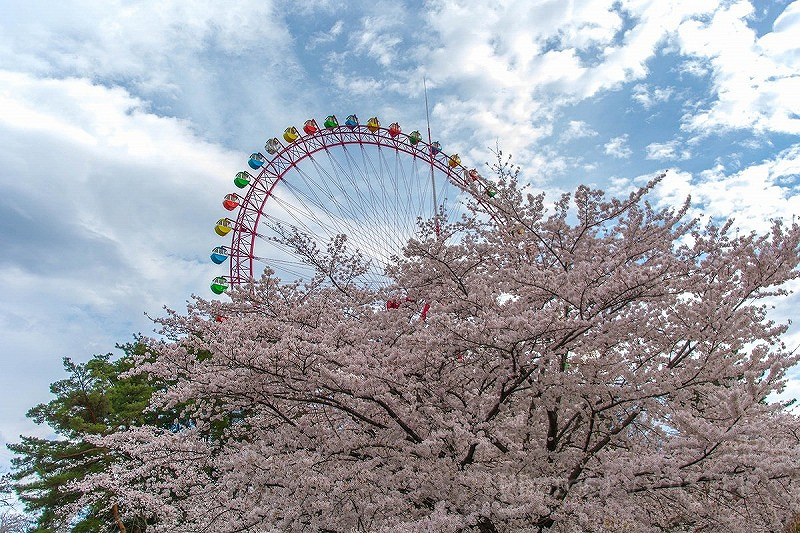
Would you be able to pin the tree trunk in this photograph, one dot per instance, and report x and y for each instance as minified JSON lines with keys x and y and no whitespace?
{"x":115,"y":510}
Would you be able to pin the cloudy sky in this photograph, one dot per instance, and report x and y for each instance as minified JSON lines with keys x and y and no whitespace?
{"x":123,"y":123}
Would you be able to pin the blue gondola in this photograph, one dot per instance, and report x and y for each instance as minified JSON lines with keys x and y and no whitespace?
{"x":219,"y":254}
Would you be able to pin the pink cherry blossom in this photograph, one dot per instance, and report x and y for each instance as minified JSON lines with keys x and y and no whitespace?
{"x":597,"y":366}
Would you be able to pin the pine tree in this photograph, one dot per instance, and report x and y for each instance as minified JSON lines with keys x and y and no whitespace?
{"x":92,"y":401}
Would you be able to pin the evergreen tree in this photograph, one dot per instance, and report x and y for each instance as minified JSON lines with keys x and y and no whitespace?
{"x":92,"y":401}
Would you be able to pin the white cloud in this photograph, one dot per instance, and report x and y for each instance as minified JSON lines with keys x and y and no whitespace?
{"x":148,"y":42}
{"x":671,"y":150}
{"x":109,"y":212}
{"x":510,"y":76}
{"x":378,"y":37}
{"x":577,"y":129}
{"x":755,"y":79}
{"x":752,"y":196}
{"x":511,"y":72}
{"x":648,"y":96}
{"x":167,"y":53}
{"x":326,"y":37}
{"x":694,"y":67}
{"x":618,"y":147}
{"x":357,"y":85}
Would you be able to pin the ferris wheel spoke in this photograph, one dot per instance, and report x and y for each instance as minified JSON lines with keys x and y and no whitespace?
{"x":383,"y":175}
{"x":352,"y":213}
{"x":342,"y":224}
{"x":390,"y":211}
{"x":310,"y":263}
{"x":294,"y":210}
{"x":282,"y":240}
{"x":346,"y":215}
{"x":404,"y":214}
{"x":294,"y":268}
{"x":353,"y":193}
{"x":370,"y":171}
{"x":381,"y":216}
{"x":410,"y":210}
{"x":409,"y":190}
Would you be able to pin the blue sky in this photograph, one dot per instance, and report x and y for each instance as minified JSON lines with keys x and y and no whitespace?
{"x":124,"y":122}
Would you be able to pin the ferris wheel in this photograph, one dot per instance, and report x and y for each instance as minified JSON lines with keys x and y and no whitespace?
{"x":367,"y":185}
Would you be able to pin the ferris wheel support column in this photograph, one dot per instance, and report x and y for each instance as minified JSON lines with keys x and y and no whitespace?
{"x":433,"y":181}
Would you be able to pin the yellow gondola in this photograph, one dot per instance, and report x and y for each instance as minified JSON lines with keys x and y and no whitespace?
{"x":373,"y":124}
{"x":223,"y":227}
{"x":291,"y":134}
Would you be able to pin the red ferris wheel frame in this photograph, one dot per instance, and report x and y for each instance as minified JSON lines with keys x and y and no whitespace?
{"x":273,"y":171}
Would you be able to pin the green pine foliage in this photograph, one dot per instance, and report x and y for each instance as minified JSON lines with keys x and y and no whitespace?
{"x":93,"y":400}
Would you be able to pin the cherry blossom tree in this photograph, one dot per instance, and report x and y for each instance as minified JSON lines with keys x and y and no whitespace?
{"x":11,"y":520}
{"x":598,"y":365}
